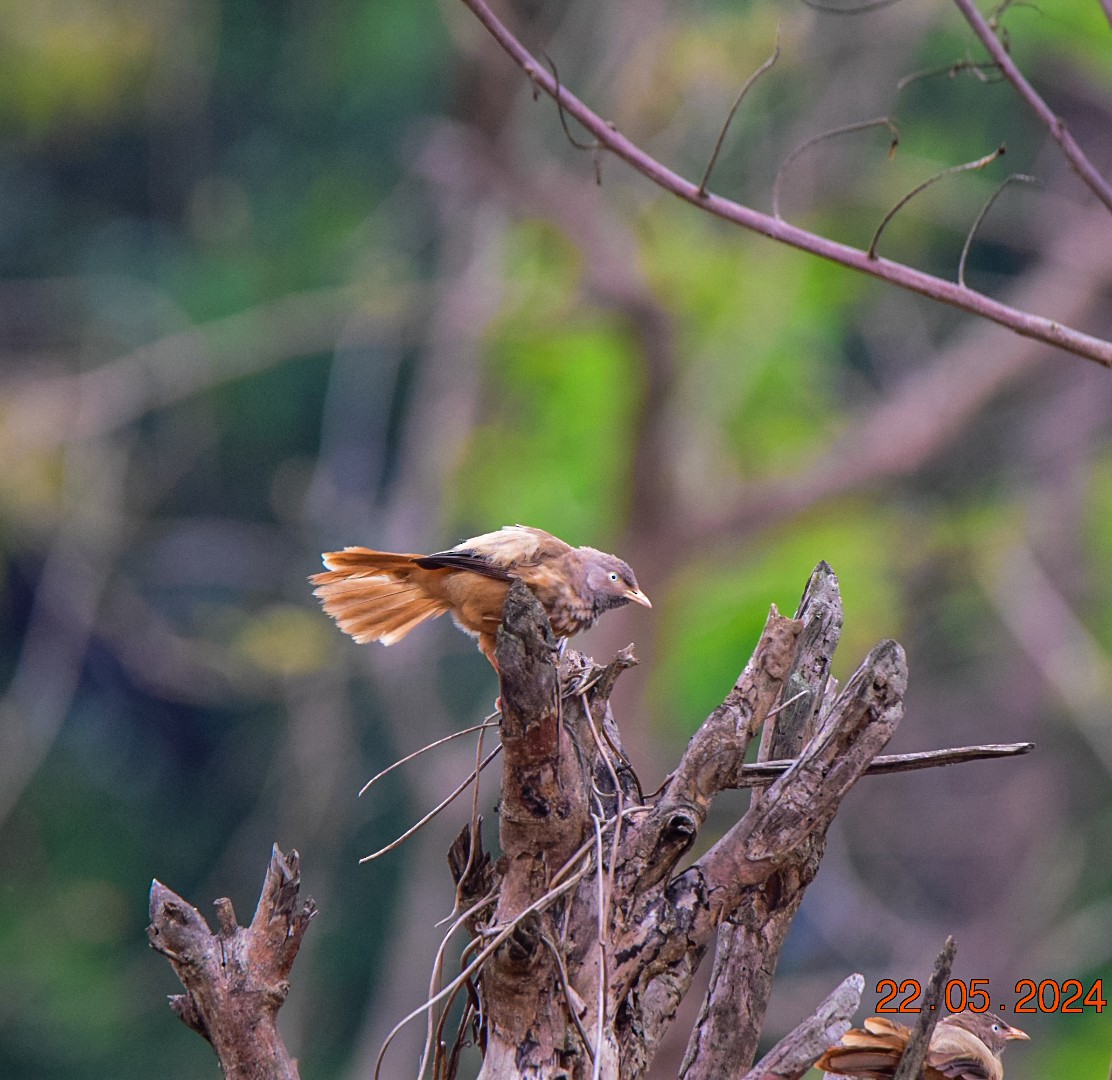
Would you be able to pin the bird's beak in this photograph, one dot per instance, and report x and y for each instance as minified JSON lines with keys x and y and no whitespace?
{"x":1014,"y":1033}
{"x":638,"y":597}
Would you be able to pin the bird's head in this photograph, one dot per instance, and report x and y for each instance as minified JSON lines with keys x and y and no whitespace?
{"x":610,"y":582}
{"x":988,"y":1027}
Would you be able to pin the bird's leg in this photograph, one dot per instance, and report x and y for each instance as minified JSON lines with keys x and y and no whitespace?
{"x":487,"y":642}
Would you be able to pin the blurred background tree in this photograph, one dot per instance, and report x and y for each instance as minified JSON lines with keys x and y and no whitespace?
{"x":276,"y":278}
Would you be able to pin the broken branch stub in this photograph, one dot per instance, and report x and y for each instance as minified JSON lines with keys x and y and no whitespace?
{"x":237,"y":978}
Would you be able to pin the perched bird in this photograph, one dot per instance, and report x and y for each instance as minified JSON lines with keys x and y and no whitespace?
{"x":964,"y":1046}
{"x":381,"y":596}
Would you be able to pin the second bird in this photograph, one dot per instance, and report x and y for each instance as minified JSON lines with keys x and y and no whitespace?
{"x":963,"y":1046}
{"x":381,"y":595}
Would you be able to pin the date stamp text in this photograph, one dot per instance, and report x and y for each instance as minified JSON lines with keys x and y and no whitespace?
{"x":1047,"y":996}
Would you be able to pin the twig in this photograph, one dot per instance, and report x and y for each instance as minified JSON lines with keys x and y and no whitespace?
{"x":1058,"y":131}
{"x":619,"y":814}
{"x":452,"y":1068}
{"x":437,"y":970}
{"x":593,"y":147}
{"x":845,"y":129}
{"x":562,"y":969}
{"x":981,"y":216}
{"x":734,"y":108}
{"x":977,"y":67}
{"x":602,"y":938}
{"x":560,"y":109}
{"x":1023,"y":323}
{"x":538,"y":905}
{"x":919,"y":1043}
{"x":436,"y":810}
{"x":474,"y":826}
{"x":969,"y":166}
{"x":417,"y":753}
{"x":764,"y":772}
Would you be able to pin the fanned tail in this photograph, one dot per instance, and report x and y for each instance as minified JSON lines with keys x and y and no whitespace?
{"x":872,"y":1054}
{"x":376,"y":595}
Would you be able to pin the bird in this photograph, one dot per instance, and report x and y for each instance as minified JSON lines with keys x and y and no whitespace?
{"x":382,"y":595}
{"x":964,"y":1046}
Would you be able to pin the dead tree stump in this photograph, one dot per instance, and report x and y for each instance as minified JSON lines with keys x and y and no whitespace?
{"x":591,"y":935}
{"x":585,"y":930}
{"x":236,"y":979}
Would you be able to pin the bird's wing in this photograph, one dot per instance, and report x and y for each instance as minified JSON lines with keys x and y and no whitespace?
{"x":959,"y":1055}
{"x":499,"y":554}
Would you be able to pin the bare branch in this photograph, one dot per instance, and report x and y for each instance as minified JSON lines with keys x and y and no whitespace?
{"x":725,"y":1036}
{"x":764,"y":772}
{"x":1043,"y":329}
{"x":805,"y":798}
{"x":1079,"y":162}
{"x":424,"y":749}
{"x":712,"y":758}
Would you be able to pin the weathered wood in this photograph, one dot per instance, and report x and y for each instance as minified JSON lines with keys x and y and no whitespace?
{"x":759,"y":774}
{"x":543,"y":820}
{"x":665,"y":929}
{"x":911,"y":1064}
{"x":797,"y":1051}
{"x":237,"y":978}
{"x":726,"y":1033}
{"x":713,"y":758}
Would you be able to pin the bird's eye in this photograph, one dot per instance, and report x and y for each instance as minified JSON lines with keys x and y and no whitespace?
{"x":613,"y":576}
{"x":995,"y":1027}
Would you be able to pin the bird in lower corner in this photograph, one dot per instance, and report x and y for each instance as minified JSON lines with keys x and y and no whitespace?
{"x":381,"y":596}
{"x":963,"y":1046}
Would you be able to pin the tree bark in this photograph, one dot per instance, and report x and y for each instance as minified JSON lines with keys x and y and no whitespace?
{"x":236,"y":979}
